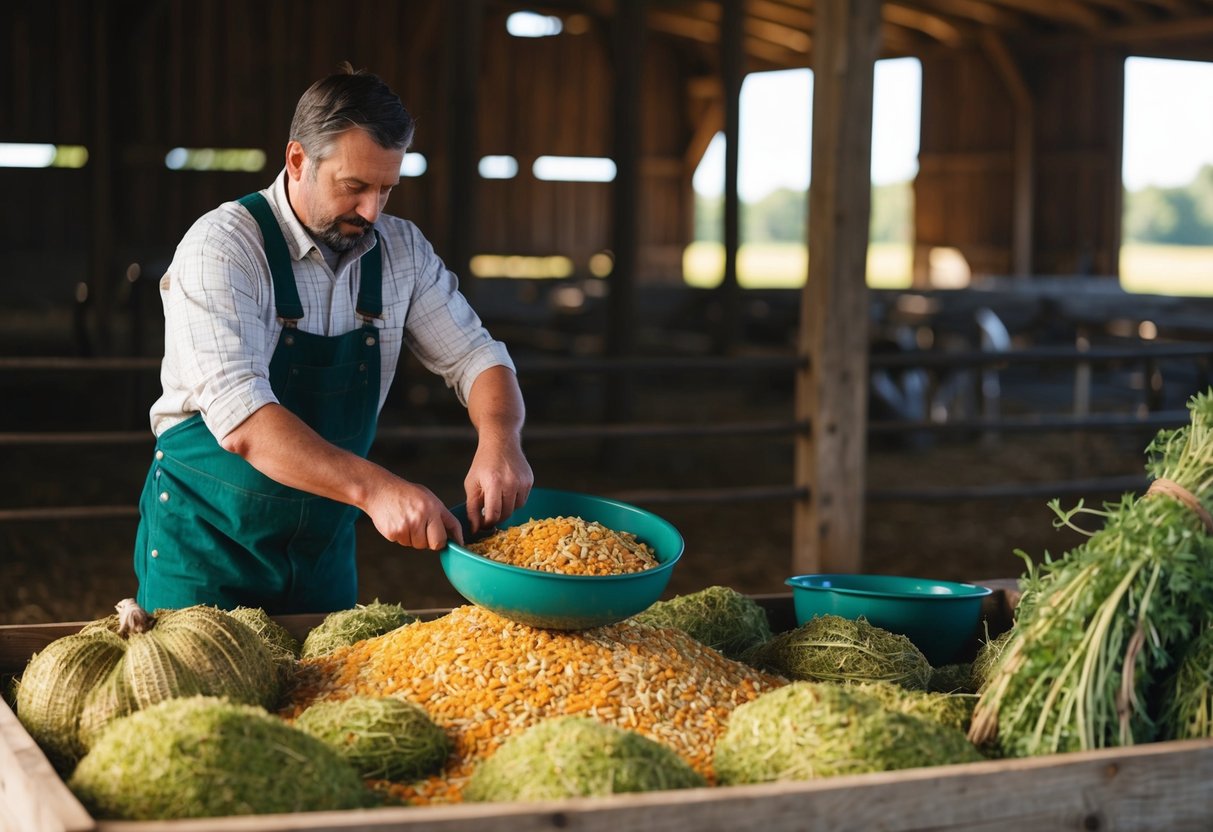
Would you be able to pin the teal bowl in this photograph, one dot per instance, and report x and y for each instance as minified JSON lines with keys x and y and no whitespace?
{"x":565,"y":602}
{"x":940,"y":617}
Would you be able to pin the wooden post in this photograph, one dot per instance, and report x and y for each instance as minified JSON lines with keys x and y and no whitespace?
{"x":831,"y":390}
{"x":100,"y":281}
{"x":732,"y":72}
{"x":628,"y":56}
{"x":464,"y":24}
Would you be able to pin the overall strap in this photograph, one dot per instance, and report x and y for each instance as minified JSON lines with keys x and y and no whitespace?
{"x":370,"y":290}
{"x":289,"y":307}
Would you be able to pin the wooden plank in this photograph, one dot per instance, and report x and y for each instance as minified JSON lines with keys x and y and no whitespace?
{"x":32,"y":796}
{"x":830,"y":392}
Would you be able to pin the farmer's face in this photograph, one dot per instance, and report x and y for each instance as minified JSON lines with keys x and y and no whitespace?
{"x":339,"y":197}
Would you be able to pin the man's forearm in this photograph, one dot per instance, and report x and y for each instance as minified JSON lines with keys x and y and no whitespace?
{"x":495,"y":405}
{"x":280,"y":445}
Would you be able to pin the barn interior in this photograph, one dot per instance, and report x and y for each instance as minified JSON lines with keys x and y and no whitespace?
{"x":829,"y":427}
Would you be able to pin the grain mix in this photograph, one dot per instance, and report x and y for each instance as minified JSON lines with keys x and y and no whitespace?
{"x":484,"y":678}
{"x":569,"y":545}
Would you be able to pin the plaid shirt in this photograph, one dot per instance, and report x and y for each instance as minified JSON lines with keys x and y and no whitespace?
{"x":221,"y":325}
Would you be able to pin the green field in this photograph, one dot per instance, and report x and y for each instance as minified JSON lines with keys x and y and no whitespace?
{"x":1147,"y":269}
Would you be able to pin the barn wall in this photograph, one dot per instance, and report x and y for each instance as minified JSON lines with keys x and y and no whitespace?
{"x":132,"y":80}
{"x":964,"y":189}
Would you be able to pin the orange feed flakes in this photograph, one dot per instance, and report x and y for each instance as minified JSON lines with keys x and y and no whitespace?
{"x":483,"y":678}
{"x":568,"y":545}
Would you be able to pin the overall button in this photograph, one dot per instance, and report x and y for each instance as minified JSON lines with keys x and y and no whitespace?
{"x":164,"y":496}
{"x":370,"y":340}
{"x":159,"y":454}
{"x":155,"y":553}
{"x":289,"y":340}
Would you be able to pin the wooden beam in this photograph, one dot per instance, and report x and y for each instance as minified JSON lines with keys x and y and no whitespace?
{"x":979,"y":11}
{"x":1129,"y":11}
{"x":1059,"y":11}
{"x":1023,"y":150}
{"x":948,"y":32}
{"x":795,"y":17}
{"x":831,"y":391}
{"x":1176,"y":29}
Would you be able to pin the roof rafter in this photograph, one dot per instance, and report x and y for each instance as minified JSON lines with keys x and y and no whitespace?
{"x":938,"y":27}
{"x":1059,"y":11}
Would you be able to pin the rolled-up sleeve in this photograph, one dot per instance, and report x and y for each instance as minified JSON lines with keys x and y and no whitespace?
{"x":216,"y":334}
{"x":442,"y":330}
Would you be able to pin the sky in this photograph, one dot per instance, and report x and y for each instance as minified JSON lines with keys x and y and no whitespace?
{"x":1168,"y":135}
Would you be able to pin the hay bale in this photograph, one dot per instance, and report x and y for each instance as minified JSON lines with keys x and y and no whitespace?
{"x":830,"y":648}
{"x":954,"y":710}
{"x":380,"y":736}
{"x":345,"y":627}
{"x":578,"y":757}
{"x":718,"y":617}
{"x":209,"y":757}
{"x":809,"y":730}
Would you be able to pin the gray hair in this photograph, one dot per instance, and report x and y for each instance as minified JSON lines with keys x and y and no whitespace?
{"x":350,"y":98}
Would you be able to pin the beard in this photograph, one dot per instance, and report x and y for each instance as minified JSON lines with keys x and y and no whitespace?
{"x":329,"y":232}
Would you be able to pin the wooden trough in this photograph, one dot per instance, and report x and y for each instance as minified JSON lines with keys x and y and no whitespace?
{"x":1160,"y":786}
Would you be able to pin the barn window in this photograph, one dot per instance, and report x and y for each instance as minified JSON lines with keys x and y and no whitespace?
{"x":531,"y":25}
{"x":516,"y":265}
{"x":413,"y":164}
{"x":574,"y":169}
{"x":1167,"y":176}
{"x":24,"y":155}
{"x":498,"y":167}
{"x":242,"y":159}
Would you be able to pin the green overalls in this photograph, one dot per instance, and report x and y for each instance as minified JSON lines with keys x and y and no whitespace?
{"x":213,"y":529}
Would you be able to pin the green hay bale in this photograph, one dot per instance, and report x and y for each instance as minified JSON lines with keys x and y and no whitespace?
{"x":208,"y":757}
{"x":830,"y":648}
{"x":284,"y":648}
{"x":718,"y":617}
{"x":954,"y":710}
{"x":381,"y":737}
{"x":346,"y":627}
{"x":809,"y":730}
{"x":275,"y":636}
{"x":578,"y":757}
{"x":1188,"y":701}
{"x":952,"y":678}
{"x":53,"y":689}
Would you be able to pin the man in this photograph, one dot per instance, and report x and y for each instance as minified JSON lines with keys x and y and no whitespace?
{"x":285,"y":314}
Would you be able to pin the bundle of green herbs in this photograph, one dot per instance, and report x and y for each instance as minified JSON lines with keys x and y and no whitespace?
{"x":1100,"y":631}
{"x":1188,"y":709}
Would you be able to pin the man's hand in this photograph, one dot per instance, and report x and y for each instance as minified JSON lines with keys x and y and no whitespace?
{"x":500,"y":479}
{"x":498,"y":482}
{"x":410,"y":514}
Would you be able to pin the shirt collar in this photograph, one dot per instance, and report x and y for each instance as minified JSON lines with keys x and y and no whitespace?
{"x":298,"y":241}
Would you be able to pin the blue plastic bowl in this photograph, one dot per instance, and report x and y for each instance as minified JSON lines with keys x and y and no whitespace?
{"x":940,"y":617}
{"x":565,"y":602}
